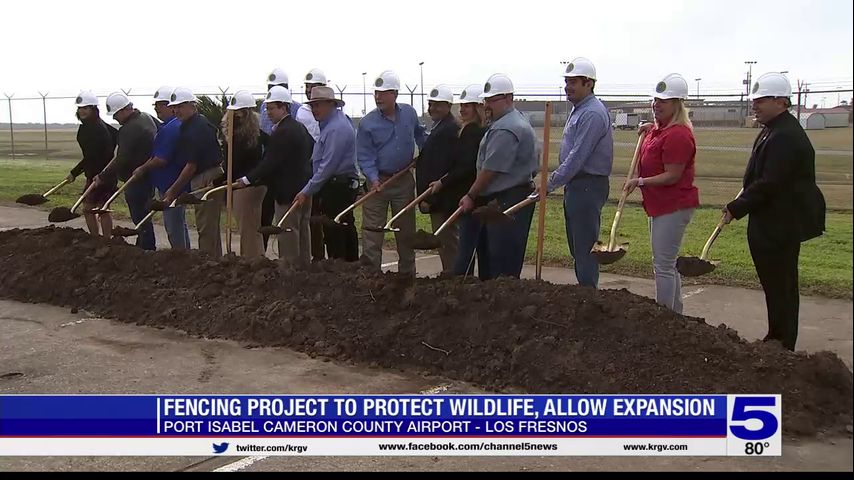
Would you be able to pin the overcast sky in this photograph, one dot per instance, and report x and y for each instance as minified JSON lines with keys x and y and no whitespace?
{"x":63,"y":47}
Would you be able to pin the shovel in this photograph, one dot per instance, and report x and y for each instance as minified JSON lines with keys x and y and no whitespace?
{"x":388,"y":226}
{"x":693,"y":266}
{"x":490,"y":213}
{"x":106,"y":207}
{"x":183,"y":199}
{"x":277,"y":228}
{"x":422,"y":240}
{"x":610,"y":253}
{"x":64,"y":214}
{"x":34,"y":199}
{"x":219,"y":189}
{"x":368,"y":195}
{"x":130,"y":232}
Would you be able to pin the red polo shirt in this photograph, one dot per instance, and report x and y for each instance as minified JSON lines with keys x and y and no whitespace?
{"x":671,"y":145}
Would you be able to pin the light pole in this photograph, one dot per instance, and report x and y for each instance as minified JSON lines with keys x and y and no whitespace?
{"x":750,"y":64}
{"x":564,"y":91}
{"x":364,"y":95}
{"x":698,"y":87}
{"x":421,"y":65}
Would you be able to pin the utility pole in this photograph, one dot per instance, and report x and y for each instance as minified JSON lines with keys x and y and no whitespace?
{"x":44,"y":119}
{"x":421,"y":65}
{"x":364,"y":95}
{"x":11,"y":122}
{"x":749,"y":84}
{"x":698,"y":87}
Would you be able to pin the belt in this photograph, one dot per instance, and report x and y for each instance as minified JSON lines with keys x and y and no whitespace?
{"x":580,"y":175}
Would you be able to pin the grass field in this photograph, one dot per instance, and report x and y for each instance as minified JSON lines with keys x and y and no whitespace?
{"x":825,"y":266}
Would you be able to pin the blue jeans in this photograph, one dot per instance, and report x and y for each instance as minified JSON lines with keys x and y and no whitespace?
{"x":583,"y":200}
{"x":472,"y":243}
{"x":174,"y":220}
{"x":137,"y":195}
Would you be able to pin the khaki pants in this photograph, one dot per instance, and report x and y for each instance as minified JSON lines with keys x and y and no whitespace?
{"x":208,"y":213}
{"x":375,"y":214}
{"x":295,"y":246}
{"x":247,"y":212}
{"x":449,"y":237}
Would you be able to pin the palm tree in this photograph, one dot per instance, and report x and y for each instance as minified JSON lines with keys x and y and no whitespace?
{"x":212,"y":109}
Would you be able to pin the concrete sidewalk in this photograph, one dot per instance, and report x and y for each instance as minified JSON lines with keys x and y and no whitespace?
{"x":825,"y":324}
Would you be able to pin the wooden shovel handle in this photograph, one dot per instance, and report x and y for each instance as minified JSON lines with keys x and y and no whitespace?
{"x":287,"y":214}
{"x":218,"y":189}
{"x":115,"y":195}
{"x":80,"y":200}
{"x":453,"y":218}
{"x":612,"y":241}
{"x":370,"y":194}
{"x":717,"y":231}
{"x":519,"y":206}
{"x":409,"y":206}
{"x":57,"y":187}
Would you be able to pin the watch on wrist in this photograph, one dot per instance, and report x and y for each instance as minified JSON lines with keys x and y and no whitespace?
{"x":640,"y":181}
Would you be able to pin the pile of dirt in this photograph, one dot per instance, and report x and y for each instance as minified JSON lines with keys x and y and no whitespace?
{"x":509,"y":335}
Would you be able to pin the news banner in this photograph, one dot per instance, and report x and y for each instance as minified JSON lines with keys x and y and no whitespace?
{"x":390,"y":425}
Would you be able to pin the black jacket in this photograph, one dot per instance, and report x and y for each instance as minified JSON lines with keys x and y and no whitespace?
{"x":97,"y":141}
{"x":435,"y":159}
{"x":286,"y":165}
{"x":463,"y":170}
{"x":244,"y":157}
{"x":780,"y":193}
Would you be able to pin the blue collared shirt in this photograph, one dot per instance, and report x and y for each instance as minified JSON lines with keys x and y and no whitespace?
{"x":334,"y":152}
{"x":385,"y":147}
{"x":165,"y":142}
{"x":588,"y":143}
{"x":267,"y":124}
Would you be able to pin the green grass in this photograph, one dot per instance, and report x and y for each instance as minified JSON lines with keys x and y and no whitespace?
{"x":825,"y":265}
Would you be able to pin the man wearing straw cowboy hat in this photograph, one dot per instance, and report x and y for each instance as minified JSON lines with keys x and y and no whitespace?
{"x":314,"y":78}
{"x":286,"y":166}
{"x":385,"y":145}
{"x":586,"y":157}
{"x":199,"y":153}
{"x":335,"y":181}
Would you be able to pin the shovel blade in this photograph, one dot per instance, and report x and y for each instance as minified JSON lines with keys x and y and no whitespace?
{"x":378,"y":229}
{"x":490,"y":213}
{"x":61,"y":214}
{"x":188,"y":199}
{"x":32,"y":199}
{"x":270,"y":230}
{"x":156,"y":205}
{"x":124,"y":232}
{"x":694,"y":266}
{"x":422,"y":240}
{"x":606,"y":257}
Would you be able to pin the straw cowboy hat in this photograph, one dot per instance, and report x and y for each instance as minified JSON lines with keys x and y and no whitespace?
{"x":324,"y":94}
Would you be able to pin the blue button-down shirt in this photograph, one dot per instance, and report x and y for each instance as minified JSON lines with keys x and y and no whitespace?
{"x":385,"y":146}
{"x":267,"y":124}
{"x":334,"y":152}
{"x":588,"y":143}
{"x":164,"y":148}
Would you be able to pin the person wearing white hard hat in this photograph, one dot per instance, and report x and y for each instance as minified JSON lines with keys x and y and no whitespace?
{"x":434,"y":161}
{"x":278,"y":77}
{"x":199,"y":154}
{"x":385,"y":145}
{"x":586,"y":157}
{"x":164,"y":170}
{"x":506,"y":163}
{"x":314,"y":78}
{"x":665,"y":175}
{"x":286,"y":167}
{"x":462,"y":176}
{"x":248,"y":149}
{"x":97,"y":141}
{"x":334,"y":183}
{"x":134,"y":146}
{"x":783,"y":201}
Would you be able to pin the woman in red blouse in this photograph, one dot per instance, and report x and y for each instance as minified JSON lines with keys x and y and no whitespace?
{"x":665,"y":176}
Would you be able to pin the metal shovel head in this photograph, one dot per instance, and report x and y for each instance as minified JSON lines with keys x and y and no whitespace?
{"x":606,"y":257}
{"x":188,"y":199}
{"x":32,"y":199}
{"x":381,"y":229}
{"x":694,"y":266}
{"x":124,"y":232}
{"x":270,"y":230}
{"x":97,"y":211}
{"x":422,"y":240}
{"x":490,"y":213}
{"x":156,"y":205}
{"x":61,"y":214}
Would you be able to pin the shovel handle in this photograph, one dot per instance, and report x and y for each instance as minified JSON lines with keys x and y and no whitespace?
{"x":403,"y":210}
{"x":612,"y":240}
{"x":115,"y":195}
{"x":370,"y":194}
{"x":453,"y":218}
{"x":708,"y":246}
{"x":219,"y":189}
{"x":57,"y":187}
{"x":146,"y":218}
{"x":519,"y":206}
{"x":80,"y":200}
{"x":287,"y":214}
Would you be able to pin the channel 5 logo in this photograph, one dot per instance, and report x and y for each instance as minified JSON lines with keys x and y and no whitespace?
{"x":754,"y":417}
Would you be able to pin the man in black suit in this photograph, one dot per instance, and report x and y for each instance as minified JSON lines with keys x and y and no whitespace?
{"x":435,"y":160}
{"x":286,"y":167}
{"x":783,"y":201}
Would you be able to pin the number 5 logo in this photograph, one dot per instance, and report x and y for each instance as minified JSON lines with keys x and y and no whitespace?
{"x":742,"y":411}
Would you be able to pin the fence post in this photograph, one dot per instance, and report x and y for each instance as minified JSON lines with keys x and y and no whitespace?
{"x":11,"y":122}
{"x":411,"y":94}
{"x":340,"y":91}
{"x":44,"y":117}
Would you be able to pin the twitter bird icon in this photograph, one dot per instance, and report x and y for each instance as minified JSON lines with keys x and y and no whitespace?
{"x":220,"y":448}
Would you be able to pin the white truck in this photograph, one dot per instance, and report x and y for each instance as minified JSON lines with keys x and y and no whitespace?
{"x":626,"y":121}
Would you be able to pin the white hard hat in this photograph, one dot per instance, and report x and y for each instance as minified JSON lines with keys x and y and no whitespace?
{"x":388,"y":80}
{"x":86,"y":99}
{"x":315,"y":77}
{"x":672,"y":86}
{"x":181,"y":95}
{"x":580,"y":67}
{"x":277,"y":77}
{"x":441,"y":93}
{"x":471,"y":94}
{"x":278,"y":94}
{"x":497,"y":84}
{"x":241,"y":99}
{"x":116,"y":101}
{"x":163,"y":94}
{"x":771,"y":84}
